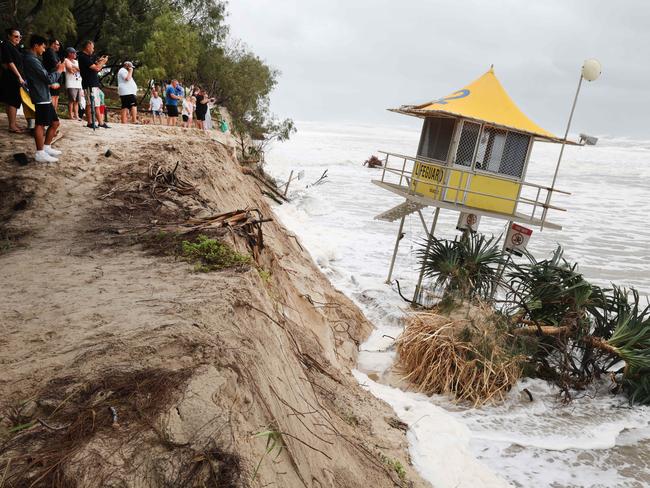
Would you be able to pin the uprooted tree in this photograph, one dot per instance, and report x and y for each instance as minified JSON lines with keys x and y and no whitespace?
{"x":545,"y":320}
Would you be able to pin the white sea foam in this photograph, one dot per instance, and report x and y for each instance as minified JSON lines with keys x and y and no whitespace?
{"x":596,"y":440}
{"x":439,"y":444}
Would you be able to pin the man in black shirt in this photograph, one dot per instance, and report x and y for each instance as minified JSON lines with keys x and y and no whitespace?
{"x":51,"y":62}
{"x":89,"y":67}
{"x":11,"y":77}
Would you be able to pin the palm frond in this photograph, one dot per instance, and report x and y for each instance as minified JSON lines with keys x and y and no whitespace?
{"x":466,"y":267}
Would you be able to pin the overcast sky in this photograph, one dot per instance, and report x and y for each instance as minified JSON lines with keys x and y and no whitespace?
{"x":349,"y":60}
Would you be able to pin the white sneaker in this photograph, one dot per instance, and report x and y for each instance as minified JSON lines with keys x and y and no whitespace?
{"x":43,"y":157}
{"x":51,"y":151}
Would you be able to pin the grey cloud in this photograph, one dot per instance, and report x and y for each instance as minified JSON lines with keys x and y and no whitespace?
{"x":350,"y":60}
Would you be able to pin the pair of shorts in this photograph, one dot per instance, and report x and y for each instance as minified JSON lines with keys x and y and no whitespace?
{"x":200,"y":116}
{"x":185,"y":118}
{"x":73,"y":94}
{"x":94,"y":96}
{"x":128,"y":101}
{"x":172,"y":111}
{"x":157,"y":113}
{"x":55,"y":91}
{"x":45,"y":114}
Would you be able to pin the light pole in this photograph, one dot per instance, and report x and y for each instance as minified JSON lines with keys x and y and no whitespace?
{"x":590,"y":71}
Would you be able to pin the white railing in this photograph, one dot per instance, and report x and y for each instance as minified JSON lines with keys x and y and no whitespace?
{"x":402,"y":176}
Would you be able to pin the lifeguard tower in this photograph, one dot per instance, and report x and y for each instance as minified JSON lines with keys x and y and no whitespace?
{"x":472,"y":157}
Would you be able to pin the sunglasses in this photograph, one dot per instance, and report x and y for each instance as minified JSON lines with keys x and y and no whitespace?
{"x":17,"y":36}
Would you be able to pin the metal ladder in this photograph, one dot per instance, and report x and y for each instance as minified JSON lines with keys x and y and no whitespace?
{"x":401,"y":210}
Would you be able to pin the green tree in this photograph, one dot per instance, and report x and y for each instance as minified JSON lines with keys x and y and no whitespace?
{"x":49,"y":18}
{"x":171,"y":50}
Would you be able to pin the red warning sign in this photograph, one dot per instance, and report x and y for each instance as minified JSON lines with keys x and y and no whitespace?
{"x":468,"y":221}
{"x":517,"y":239}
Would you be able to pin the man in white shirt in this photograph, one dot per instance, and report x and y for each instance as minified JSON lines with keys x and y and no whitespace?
{"x":72,"y":82}
{"x":127,"y":90}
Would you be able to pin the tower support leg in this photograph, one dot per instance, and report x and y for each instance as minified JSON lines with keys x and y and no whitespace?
{"x":416,"y":295}
{"x":399,"y":238}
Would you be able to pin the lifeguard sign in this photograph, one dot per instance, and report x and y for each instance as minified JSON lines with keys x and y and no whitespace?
{"x":473,"y":155}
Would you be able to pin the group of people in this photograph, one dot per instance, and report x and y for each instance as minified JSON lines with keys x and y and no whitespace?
{"x":194,"y":107}
{"x":40,"y":72}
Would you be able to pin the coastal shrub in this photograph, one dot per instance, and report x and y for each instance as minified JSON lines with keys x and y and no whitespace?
{"x":395,"y":465}
{"x":550,"y":290}
{"x":265,"y":275}
{"x":558,"y":326}
{"x":581,"y":331}
{"x":210,"y":255}
{"x":467,"y":354}
{"x":464,"y":268}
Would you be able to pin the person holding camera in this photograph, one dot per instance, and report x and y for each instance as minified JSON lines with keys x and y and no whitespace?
{"x":202,"y":102}
{"x":40,"y":82}
{"x":127,"y":90}
{"x":90,"y":66}
{"x":51,"y":63}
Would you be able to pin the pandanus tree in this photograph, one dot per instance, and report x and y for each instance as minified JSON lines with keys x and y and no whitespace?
{"x":578,"y":331}
{"x":464,"y":268}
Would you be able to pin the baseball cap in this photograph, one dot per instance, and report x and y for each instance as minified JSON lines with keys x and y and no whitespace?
{"x":70,"y":50}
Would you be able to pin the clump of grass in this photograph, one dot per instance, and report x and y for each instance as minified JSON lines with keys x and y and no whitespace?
{"x":11,"y":238}
{"x":351,"y":419}
{"x":265,"y":275}
{"x":210,"y":255}
{"x":274,"y":442}
{"x":466,"y":354}
{"x":395,"y":465}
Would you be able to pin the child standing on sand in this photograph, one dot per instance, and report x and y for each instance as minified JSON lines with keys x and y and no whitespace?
{"x":156,"y":106}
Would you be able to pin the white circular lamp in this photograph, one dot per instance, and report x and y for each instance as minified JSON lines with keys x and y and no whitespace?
{"x":591,"y":69}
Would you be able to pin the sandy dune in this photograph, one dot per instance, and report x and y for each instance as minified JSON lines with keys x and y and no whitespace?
{"x":192,"y":364}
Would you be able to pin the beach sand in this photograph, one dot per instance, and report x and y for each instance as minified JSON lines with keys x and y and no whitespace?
{"x":82,"y":305}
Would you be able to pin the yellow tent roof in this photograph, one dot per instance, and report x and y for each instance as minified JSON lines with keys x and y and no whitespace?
{"x":483,"y":100}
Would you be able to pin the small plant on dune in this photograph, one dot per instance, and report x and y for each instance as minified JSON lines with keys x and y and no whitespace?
{"x":395,"y":465}
{"x":464,"y":268}
{"x":274,"y":442}
{"x":210,"y":255}
{"x":265,"y":275}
